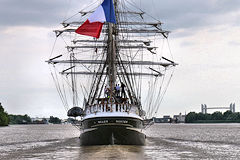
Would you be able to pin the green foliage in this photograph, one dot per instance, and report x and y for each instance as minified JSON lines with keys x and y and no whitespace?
{"x":191,"y":117}
{"x":4,"y":120}
{"x":234,"y":116}
{"x":226,"y":114}
{"x":20,"y":119}
{"x":216,"y":117}
{"x":54,"y":120}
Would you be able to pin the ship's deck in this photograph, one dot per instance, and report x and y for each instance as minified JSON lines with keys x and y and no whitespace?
{"x":112,"y":110}
{"x":112,"y":114}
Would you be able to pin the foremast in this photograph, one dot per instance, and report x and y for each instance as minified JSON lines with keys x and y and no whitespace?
{"x":111,"y":57}
{"x":111,"y":54}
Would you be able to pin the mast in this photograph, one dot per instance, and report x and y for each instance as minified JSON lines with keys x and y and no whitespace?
{"x":111,"y":54}
{"x":73,"y":78}
{"x":111,"y":59}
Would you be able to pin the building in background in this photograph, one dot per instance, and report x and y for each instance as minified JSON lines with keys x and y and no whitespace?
{"x":168,"y":119}
{"x":179,"y":118}
{"x":38,"y":120}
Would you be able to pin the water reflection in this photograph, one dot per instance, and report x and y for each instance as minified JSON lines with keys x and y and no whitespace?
{"x":111,"y":152}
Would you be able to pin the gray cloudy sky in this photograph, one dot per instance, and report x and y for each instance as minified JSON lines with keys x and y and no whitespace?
{"x":205,"y":41}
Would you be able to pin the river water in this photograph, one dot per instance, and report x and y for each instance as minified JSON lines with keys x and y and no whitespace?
{"x":164,"y":141}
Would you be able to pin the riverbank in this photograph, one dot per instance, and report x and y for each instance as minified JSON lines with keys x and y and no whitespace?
{"x":216,"y":117}
{"x":216,"y":121}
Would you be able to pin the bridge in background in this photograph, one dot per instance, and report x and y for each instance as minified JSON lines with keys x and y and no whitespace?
{"x":205,"y":108}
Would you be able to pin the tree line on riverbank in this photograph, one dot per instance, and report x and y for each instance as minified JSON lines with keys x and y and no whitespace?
{"x":6,"y":119}
{"x":25,"y":119}
{"x":216,"y":117}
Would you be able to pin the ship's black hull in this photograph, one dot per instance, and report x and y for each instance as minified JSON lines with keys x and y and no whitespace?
{"x":105,"y":131}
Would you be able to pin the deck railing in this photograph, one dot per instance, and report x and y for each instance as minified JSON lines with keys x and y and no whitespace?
{"x":105,"y":107}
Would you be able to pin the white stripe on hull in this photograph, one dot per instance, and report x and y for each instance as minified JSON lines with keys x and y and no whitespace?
{"x":88,"y":130}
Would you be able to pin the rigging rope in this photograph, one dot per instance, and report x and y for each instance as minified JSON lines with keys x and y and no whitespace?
{"x":54,"y":44}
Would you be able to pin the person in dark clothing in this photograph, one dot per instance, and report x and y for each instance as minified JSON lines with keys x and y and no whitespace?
{"x":123,"y":90}
{"x":117,"y":90}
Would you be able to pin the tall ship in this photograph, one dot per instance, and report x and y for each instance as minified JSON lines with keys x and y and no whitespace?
{"x":110,"y":70}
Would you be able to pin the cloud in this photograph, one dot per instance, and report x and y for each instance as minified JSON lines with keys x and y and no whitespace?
{"x":192,"y":13}
{"x":185,"y":14}
{"x":187,"y":43}
{"x":34,"y":12}
{"x":234,"y":43}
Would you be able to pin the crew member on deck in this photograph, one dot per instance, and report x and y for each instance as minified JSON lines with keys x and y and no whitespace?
{"x":106,"y":91}
{"x":123,"y":95}
{"x":117,"y":90}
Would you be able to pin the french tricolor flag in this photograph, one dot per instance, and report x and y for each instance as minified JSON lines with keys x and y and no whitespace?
{"x":93,"y":25}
